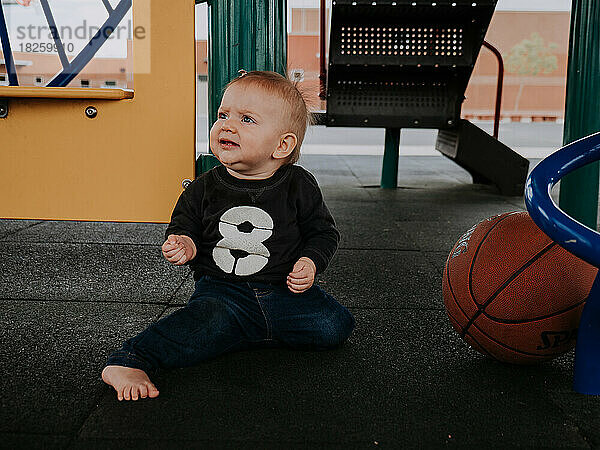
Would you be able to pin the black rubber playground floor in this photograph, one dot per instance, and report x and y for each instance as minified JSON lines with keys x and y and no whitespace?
{"x":70,"y":293}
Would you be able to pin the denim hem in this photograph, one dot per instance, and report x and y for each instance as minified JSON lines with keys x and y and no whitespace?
{"x":126,"y":359}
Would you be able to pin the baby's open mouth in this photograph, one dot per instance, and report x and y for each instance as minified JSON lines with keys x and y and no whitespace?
{"x":228,"y":143}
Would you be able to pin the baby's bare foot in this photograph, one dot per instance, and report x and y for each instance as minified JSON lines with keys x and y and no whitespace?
{"x":129,"y":383}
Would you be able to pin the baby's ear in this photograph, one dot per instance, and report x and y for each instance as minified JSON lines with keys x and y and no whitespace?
{"x":287,"y":144}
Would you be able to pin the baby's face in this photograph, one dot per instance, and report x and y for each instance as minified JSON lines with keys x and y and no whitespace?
{"x":248,"y":130}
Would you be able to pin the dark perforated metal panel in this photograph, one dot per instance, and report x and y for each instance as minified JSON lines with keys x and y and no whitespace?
{"x":363,"y":99}
{"x":402,"y":63}
{"x":389,"y":44}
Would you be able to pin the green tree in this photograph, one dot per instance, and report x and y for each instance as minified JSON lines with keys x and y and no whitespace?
{"x":532,"y":56}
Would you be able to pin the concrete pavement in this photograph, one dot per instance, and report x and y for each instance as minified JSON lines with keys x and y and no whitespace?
{"x":70,"y":293}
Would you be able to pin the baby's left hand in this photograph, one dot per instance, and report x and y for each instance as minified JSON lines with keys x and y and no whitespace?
{"x":302,"y":275}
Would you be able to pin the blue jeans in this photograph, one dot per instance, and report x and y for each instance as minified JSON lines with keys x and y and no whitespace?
{"x":223,"y":317}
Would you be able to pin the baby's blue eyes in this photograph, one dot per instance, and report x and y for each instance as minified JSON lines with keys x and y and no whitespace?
{"x":246,"y":119}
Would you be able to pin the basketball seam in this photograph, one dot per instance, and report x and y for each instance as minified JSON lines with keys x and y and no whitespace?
{"x":454,"y":298}
{"x":477,"y":252}
{"x":448,"y":268}
{"x":482,"y":349}
{"x":481,"y":308}
{"x":462,"y":335}
{"x":535,"y":319}
{"x":464,"y":331}
{"x":486,"y":352}
{"x":547,"y":355}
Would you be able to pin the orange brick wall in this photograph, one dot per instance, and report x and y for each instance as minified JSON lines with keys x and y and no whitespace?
{"x":97,"y":71}
{"x":540,"y":96}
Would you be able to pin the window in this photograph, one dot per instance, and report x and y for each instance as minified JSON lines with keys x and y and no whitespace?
{"x":85,"y":83}
{"x":110,"y":83}
{"x":77,"y":22}
{"x":39,"y":81}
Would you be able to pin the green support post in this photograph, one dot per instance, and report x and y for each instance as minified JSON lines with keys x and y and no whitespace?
{"x":579,"y":190}
{"x":389,"y":171}
{"x":249,"y":35}
{"x":205,"y":163}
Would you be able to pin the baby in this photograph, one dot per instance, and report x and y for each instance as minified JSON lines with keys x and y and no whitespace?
{"x":255,"y":232}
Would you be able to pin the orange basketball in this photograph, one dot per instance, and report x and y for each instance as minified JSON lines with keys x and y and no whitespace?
{"x":514,"y":294}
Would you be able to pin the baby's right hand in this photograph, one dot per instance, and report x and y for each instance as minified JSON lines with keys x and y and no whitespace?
{"x":179,"y":249}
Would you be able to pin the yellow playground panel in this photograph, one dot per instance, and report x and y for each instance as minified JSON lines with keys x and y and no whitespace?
{"x":126,"y":162}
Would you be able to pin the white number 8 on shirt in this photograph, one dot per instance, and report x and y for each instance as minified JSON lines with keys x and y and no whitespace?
{"x":241,"y":251}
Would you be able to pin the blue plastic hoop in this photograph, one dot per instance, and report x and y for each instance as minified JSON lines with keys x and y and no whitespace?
{"x":577,"y":239}
{"x":567,"y":232}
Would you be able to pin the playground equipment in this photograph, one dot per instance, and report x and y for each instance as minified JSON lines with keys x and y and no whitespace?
{"x":406,"y":64}
{"x":579,"y":191}
{"x":576,"y":238}
{"x":104,"y":154}
{"x":392,"y":64}
{"x":576,"y":165}
{"x":114,"y":154}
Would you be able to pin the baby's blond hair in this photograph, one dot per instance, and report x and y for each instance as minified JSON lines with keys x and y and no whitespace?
{"x":288,"y":91}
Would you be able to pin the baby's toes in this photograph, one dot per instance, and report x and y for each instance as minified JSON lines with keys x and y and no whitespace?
{"x":134,"y":392}
{"x":152,"y":391}
{"x":143,"y":391}
{"x":127,"y":392}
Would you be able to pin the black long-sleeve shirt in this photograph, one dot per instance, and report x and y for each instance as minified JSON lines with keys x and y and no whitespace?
{"x":255,"y":230}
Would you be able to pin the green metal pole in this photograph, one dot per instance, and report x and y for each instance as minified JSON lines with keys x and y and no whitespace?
{"x":579,"y":190}
{"x":389,"y":171}
{"x":249,"y":35}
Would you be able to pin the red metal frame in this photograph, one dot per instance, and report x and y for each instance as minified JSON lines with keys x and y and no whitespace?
{"x":495,"y":51}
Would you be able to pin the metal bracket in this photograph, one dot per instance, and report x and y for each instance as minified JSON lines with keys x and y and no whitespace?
{"x":3,"y":108}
